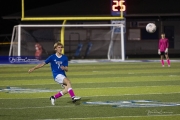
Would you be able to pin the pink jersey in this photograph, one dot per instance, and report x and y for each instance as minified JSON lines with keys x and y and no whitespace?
{"x":163,"y":44}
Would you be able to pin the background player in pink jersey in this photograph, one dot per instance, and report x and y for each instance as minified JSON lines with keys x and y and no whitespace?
{"x":163,"y":49}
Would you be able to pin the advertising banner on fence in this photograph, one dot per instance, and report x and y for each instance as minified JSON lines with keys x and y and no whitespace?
{"x":18,"y":60}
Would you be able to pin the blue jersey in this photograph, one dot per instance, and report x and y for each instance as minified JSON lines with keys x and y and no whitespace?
{"x":56,"y":62}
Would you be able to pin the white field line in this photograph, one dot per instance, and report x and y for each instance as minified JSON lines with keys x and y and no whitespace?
{"x":100,"y":74}
{"x":97,"y":88}
{"x":128,"y":87}
{"x":100,"y":95}
{"x":18,"y":108}
{"x":132,"y":94}
{"x":36,"y":107}
{"x":100,"y":82}
{"x":114,"y":117}
{"x":32,"y":84}
{"x":124,"y":117}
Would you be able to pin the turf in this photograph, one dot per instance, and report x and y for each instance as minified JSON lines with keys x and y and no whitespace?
{"x":104,"y":88}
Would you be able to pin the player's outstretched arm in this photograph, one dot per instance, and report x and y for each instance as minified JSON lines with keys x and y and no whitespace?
{"x":36,"y":67}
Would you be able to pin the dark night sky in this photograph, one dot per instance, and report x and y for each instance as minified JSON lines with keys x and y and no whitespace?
{"x":5,"y":9}
{"x":8,"y":7}
{"x":12,"y":6}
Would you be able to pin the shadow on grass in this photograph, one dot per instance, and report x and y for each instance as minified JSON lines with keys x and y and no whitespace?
{"x":80,"y":101}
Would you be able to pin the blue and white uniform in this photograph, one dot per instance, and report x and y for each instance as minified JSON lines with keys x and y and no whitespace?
{"x":56,"y":63}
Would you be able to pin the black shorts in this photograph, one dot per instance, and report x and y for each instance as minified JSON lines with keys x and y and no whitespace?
{"x":163,"y":53}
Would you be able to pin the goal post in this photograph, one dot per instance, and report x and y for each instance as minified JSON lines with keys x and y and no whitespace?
{"x":111,"y":55}
{"x":101,"y":35}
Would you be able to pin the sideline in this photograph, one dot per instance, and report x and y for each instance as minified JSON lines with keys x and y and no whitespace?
{"x":113,"y":60}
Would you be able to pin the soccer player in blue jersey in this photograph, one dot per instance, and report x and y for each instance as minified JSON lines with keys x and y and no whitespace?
{"x":59,"y":65}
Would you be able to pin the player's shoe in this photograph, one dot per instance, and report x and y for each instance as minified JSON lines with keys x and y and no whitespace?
{"x":169,"y":65}
{"x":52,"y":98}
{"x":75,"y":99}
{"x":162,"y":65}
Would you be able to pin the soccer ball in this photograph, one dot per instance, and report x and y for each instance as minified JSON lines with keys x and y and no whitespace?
{"x":150,"y":27}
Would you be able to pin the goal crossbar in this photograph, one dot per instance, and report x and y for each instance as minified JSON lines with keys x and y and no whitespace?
{"x":79,"y":25}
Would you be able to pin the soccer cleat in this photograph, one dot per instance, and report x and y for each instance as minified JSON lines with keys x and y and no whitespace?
{"x":169,"y":65}
{"x":75,"y":99}
{"x":162,"y":65}
{"x":52,"y":98}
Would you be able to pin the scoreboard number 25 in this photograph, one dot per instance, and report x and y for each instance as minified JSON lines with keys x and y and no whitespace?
{"x":118,"y":5}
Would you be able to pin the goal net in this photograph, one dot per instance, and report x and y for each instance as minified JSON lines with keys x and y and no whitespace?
{"x":80,"y":40}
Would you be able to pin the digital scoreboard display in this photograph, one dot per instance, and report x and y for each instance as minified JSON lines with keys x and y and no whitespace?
{"x":118,"y":7}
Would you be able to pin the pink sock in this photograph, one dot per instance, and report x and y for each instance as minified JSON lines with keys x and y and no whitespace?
{"x":162,"y":62}
{"x":71,"y":92}
{"x":59,"y":94}
{"x":168,"y":61}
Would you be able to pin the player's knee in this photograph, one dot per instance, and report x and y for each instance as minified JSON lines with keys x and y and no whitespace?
{"x":67,"y":82}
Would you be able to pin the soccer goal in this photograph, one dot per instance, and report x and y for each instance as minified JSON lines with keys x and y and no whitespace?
{"x":80,"y":40}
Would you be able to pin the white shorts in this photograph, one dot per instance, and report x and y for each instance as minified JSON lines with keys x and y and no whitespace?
{"x":59,"y":78}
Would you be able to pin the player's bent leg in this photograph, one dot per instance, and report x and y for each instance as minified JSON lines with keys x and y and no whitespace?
{"x":59,"y":80}
{"x":67,"y":82}
{"x":56,"y":96}
{"x":65,"y":90}
{"x":70,"y":90}
{"x":63,"y":85}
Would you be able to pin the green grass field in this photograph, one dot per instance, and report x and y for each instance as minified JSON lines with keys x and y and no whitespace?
{"x":127,"y":91}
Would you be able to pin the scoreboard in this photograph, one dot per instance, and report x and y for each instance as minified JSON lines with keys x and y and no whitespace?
{"x":118,"y":7}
